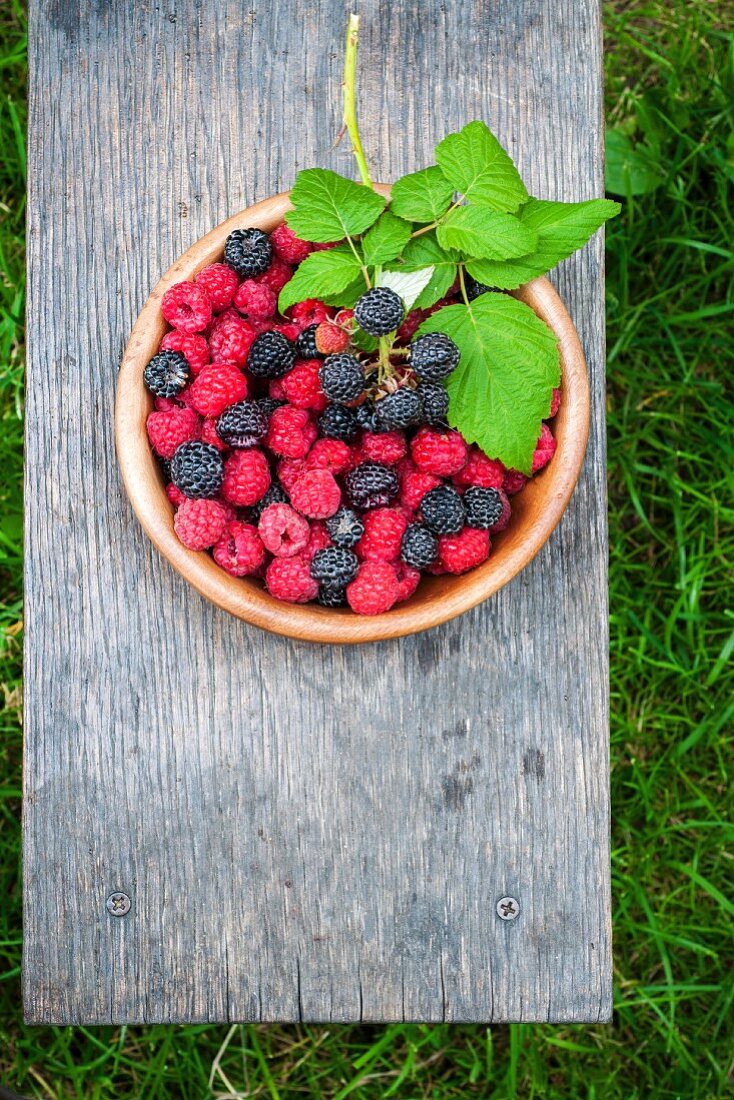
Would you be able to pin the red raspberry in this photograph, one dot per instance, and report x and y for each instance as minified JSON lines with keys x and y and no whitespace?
{"x":545,"y":448}
{"x":408,"y":580}
{"x":383,"y":531}
{"x":331,"y":338}
{"x":209,"y":434}
{"x":301,"y":385}
{"x":290,"y":579}
{"x":310,"y":312}
{"x":287,"y":246}
{"x":167,"y":404}
{"x":193,"y":347}
{"x":385,"y":447}
{"x":257,"y":300}
{"x":555,"y":403}
{"x":231,"y":340}
{"x":289,"y":471}
{"x":514,"y":481}
{"x":168,"y":430}
{"x":461,"y":552}
{"x":504,"y":519}
{"x":329,"y":454}
{"x":186,"y":307}
{"x":218,"y":386}
{"x":319,"y":246}
{"x":275,"y":389}
{"x":357,"y":457}
{"x":175,"y":495}
{"x":246,"y":477}
{"x":286,"y":432}
{"x":283,"y":532}
{"x":240,"y":550}
{"x":316,"y":494}
{"x":318,"y":539}
{"x":441,"y":453}
{"x":374,"y":589}
{"x":277,"y":275}
{"x":414,"y":485}
{"x":219,"y":283}
{"x":479,"y":470}
{"x":200,"y":523}
{"x":410,"y":325}
{"x":289,"y":329}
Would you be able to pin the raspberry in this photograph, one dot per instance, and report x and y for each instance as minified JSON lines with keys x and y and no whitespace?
{"x":302,"y":387}
{"x":441,"y":453}
{"x":338,"y":422}
{"x":342,"y":378}
{"x":197,"y":470}
{"x":329,"y":454}
{"x":459,"y":553}
{"x":289,"y":329}
{"x":276,"y":494}
{"x":555,"y":403}
{"x":243,"y":424}
{"x":419,"y":546}
{"x":383,"y":532}
{"x":442,"y":510}
{"x":371,"y":485}
{"x":318,"y":540}
{"x":209,"y":434}
{"x":271,"y":356}
{"x":289,"y":579}
{"x":246,"y":477}
{"x":175,"y":495}
{"x":414,"y":485}
{"x":277,"y":275}
{"x":248,"y":251}
{"x":379,"y":311}
{"x":331,"y":338}
{"x":483,"y":507}
{"x":334,"y":566}
{"x":433,"y":357}
{"x":375,"y":588}
{"x":310,"y":312}
{"x":217,"y":386}
{"x":316,"y":494}
{"x":286,"y":434}
{"x":480,"y":470}
{"x":345,"y":528}
{"x":306,"y":343}
{"x":167,"y":374}
{"x":399,"y":409}
{"x":386,"y":447}
{"x":514,"y":481}
{"x":504,"y":519}
{"x":230,"y":341}
{"x":287,"y":246}
{"x":200,"y":523}
{"x":408,"y":580}
{"x":256,"y":300}
{"x":283,"y":532}
{"x":289,"y":471}
{"x":219,"y":283}
{"x":186,"y":307}
{"x":545,"y":448}
{"x":240,"y":550}
{"x":435,"y":400}
{"x":193,"y":347}
{"x":168,"y":430}
{"x":332,"y":595}
{"x":411,"y":325}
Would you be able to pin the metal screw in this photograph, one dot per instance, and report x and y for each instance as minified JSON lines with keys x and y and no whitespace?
{"x":118,"y":904}
{"x":508,"y":908}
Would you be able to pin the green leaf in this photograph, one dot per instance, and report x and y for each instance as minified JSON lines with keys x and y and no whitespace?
{"x":421,"y":196}
{"x":630,"y":169}
{"x":364,"y":341}
{"x":386,"y":239}
{"x":481,"y":232}
{"x":425,"y":251}
{"x":408,"y":285}
{"x":347,"y":298}
{"x":561,"y":227}
{"x":322,"y":274}
{"x":474,"y":163}
{"x":509,"y":366}
{"x":329,"y":207}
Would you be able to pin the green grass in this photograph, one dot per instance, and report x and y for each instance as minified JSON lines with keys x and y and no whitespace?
{"x":670,"y":80}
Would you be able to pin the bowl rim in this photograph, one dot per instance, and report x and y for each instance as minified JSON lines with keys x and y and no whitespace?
{"x":438,"y":599}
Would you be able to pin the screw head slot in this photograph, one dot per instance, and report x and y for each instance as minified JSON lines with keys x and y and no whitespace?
{"x":508,"y":908}
{"x":118,"y":904}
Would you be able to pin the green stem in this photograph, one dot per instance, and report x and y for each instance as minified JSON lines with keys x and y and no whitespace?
{"x":350,"y":110}
{"x":427,"y":228}
{"x":463,"y":286}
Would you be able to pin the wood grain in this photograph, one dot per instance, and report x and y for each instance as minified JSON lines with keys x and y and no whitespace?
{"x":315,"y":833}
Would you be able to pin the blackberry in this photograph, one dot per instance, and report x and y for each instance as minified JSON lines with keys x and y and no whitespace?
{"x":419,"y":546}
{"x":367,"y":417}
{"x":332,"y":595}
{"x":337,"y":422}
{"x":399,"y":409}
{"x":197,"y":470}
{"x":249,"y":252}
{"x":243,"y":424}
{"x":167,"y":374}
{"x":271,"y":355}
{"x":268,"y":405}
{"x":345,"y":528}
{"x":342,"y":378}
{"x":474,"y":288}
{"x":442,"y":510}
{"x":275,"y":494}
{"x":334,"y":566}
{"x":379,"y":311}
{"x":483,"y":507}
{"x":433,"y":356}
{"x":371,"y":485}
{"x":306,"y":344}
{"x":435,"y":404}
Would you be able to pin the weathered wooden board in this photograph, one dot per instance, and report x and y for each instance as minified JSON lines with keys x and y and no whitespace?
{"x":306,"y":832}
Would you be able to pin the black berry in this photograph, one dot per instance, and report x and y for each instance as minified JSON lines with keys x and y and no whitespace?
{"x":379,"y":311}
{"x":248,"y":251}
{"x":342,"y":378}
{"x":306,"y":344}
{"x":275,"y":494}
{"x":442,"y":510}
{"x":366,"y":417}
{"x":399,"y":409}
{"x":167,"y":374}
{"x":243,"y":424}
{"x":271,"y":356}
{"x":197,"y":470}
{"x":483,"y":507}
{"x":433,"y":356}
{"x":338,"y":422}
{"x":419,"y":546}
{"x":474,"y":288}
{"x":334,"y":566}
{"x":371,"y":485}
{"x":268,"y":405}
{"x":332,"y":595}
{"x":435,"y":404}
{"x":345,"y":528}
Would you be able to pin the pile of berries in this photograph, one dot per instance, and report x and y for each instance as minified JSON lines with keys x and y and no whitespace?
{"x":296,"y":458}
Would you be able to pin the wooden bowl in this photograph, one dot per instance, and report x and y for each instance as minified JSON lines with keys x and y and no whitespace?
{"x":535,"y":511}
